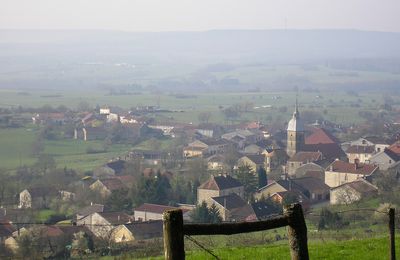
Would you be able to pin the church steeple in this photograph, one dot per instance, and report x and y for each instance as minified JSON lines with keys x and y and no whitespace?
{"x":295,"y":132}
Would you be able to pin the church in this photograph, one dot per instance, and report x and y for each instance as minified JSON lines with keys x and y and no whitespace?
{"x":307,"y":145}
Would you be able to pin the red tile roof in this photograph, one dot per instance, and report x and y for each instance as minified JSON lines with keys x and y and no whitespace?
{"x":154,"y":208}
{"x":360,"y":149}
{"x":330,"y":151}
{"x":306,"y":157}
{"x":340,"y":166}
{"x":321,"y":136}
{"x":395,"y":148}
{"x":221,"y":182}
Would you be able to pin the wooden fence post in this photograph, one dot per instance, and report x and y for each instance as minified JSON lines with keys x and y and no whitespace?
{"x":391,"y":234}
{"x":297,"y":232}
{"x":174,"y":247}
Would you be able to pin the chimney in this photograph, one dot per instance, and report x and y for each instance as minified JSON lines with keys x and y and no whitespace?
{"x":119,"y":218}
{"x":91,"y":203}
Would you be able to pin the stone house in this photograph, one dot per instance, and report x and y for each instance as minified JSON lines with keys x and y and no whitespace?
{"x":274,"y":158}
{"x":255,"y":161}
{"x":350,"y":192}
{"x":231,"y":207}
{"x":106,"y":186}
{"x":86,"y":211}
{"x":301,"y":158}
{"x":217,"y":162}
{"x":218,"y":186}
{"x":360,"y":153}
{"x":148,"y":211}
{"x":205,"y":147}
{"x":136,"y":231}
{"x":314,"y":190}
{"x":379,"y":143}
{"x":37,"y":198}
{"x":102,"y":223}
{"x":246,"y":137}
{"x":339,"y":172}
{"x":384,"y":159}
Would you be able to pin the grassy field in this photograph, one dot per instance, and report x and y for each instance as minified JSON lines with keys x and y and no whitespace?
{"x":16,"y":150}
{"x":371,"y":248}
{"x":339,"y":104}
{"x":16,"y":147}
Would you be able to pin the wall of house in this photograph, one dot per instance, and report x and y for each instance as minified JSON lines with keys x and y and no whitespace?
{"x":292,"y":167}
{"x":25,"y":200}
{"x":100,"y":188}
{"x":344,"y":195}
{"x":334,"y":179}
{"x":362,"y":157}
{"x":122,"y":235}
{"x":269,"y":191}
{"x":146,"y":216}
{"x":204,"y":195}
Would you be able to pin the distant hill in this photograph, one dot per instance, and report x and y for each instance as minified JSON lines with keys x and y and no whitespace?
{"x":100,"y":58}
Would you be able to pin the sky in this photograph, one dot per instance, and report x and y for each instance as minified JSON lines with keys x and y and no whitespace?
{"x":200,"y":15}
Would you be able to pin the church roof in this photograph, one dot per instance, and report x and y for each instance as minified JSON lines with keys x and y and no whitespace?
{"x":296,"y":124}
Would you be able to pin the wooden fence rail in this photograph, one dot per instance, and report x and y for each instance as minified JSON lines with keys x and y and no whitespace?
{"x":174,"y":231}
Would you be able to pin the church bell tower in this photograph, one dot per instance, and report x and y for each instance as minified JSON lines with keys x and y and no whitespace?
{"x":295,"y":133}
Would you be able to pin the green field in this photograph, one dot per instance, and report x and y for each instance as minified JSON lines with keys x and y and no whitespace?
{"x":338,"y":104}
{"x":371,"y":248}
{"x":16,"y":150}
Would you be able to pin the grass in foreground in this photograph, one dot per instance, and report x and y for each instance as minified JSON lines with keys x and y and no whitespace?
{"x":371,"y":248}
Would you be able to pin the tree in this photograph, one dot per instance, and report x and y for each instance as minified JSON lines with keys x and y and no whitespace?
{"x":262,"y":177}
{"x":246,"y":176}
{"x":203,"y":214}
{"x":204,"y":117}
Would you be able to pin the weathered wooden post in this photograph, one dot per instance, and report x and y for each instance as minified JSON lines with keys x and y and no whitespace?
{"x":297,"y":232}
{"x":174,"y":247}
{"x":391,"y":234}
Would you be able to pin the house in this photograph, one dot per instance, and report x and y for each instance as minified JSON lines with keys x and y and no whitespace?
{"x":37,"y":198}
{"x":360,"y":153}
{"x":314,"y":190}
{"x":205,"y":147}
{"x":209,"y":130}
{"x":217,"y":162}
{"x":106,"y":186}
{"x":264,"y":210}
{"x":310,"y":170}
{"x":350,"y":192}
{"x":395,"y":148}
{"x":340,"y":172}
{"x":86,"y":211}
{"x":219,"y":186}
{"x":231,"y":207}
{"x":136,"y":231}
{"x":255,"y":161}
{"x":148,"y":211}
{"x":384,"y":159}
{"x":102,"y":223}
{"x":379,"y":143}
{"x":6,"y":230}
{"x":301,"y":158}
{"x":274,"y":158}
{"x":253,"y":149}
{"x":245,"y":137}
{"x":291,"y":196}
{"x":117,"y":166}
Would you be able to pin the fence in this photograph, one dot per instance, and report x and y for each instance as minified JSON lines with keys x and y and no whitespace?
{"x":175,"y":230}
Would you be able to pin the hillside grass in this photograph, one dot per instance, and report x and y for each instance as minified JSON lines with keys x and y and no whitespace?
{"x":370,"y":248}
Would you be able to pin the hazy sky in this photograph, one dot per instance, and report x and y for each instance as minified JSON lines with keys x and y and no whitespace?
{"x":178,"y":15}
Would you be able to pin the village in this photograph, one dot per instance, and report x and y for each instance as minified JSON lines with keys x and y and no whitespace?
{"x":214,"y":172}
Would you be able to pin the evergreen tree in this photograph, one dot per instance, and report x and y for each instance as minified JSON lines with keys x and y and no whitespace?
{"x":246,"y":176}
{"x":262,"y":177}
{"x":203,"y":214}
